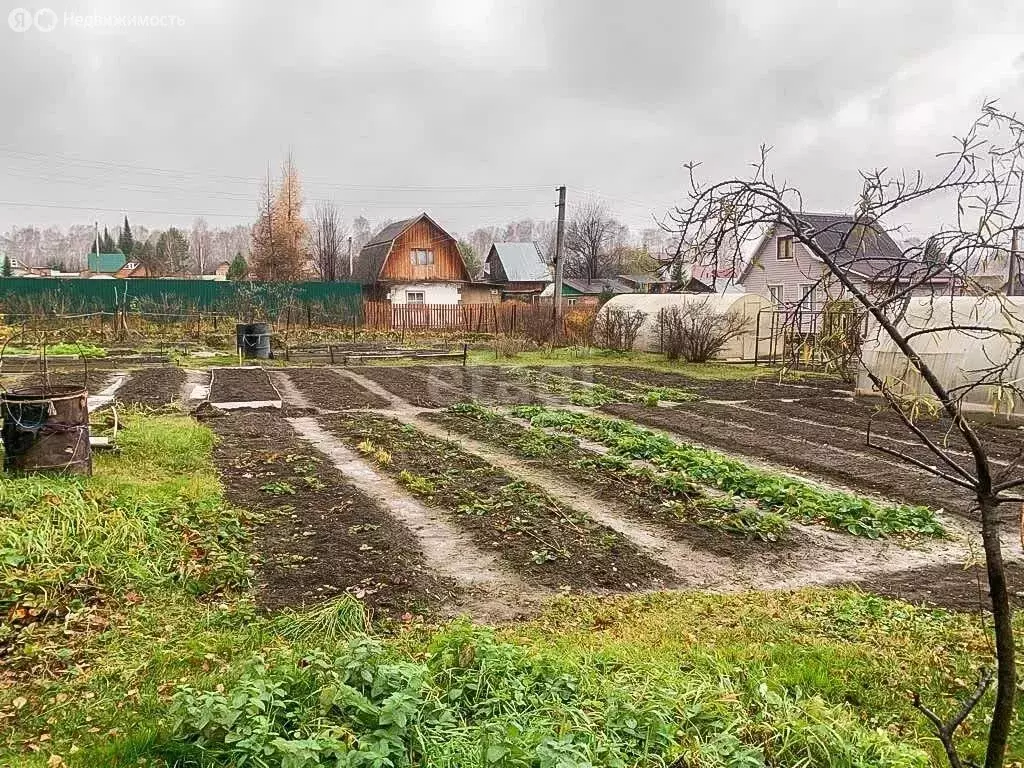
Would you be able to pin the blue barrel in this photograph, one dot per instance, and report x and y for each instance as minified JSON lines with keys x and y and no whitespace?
{"x":253,"y":339}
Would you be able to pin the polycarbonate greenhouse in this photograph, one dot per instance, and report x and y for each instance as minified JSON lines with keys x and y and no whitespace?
{"x":741,"y":347}
{"x":958,"y":356}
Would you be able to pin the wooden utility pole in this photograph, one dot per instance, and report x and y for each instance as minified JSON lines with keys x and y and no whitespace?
{"x":559,"y":254}
{"x":1013,"y":283}
{"x":350,"y":257}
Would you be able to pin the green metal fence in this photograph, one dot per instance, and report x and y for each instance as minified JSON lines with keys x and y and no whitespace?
{"x":339,"y":302}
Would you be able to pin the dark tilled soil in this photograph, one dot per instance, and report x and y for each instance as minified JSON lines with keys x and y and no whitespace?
{"x":1003,"y":443}
{"x":95,"y":381}
{"x":330,"y":390}
{"x":237,"y":385}
{"x":152,"y":387}
{"x":800,"y":446}
{"x":948,"y":586}
{"x":321,"y":535}
{"x":487,"y":384}
{"x":586,"y":555}
{"x":767,"y":387}
{"x":414,"y":384}
{"x":641,"y":500}
{"x":836,"y":438}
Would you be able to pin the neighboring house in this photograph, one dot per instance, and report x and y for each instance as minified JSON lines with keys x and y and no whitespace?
{"x":221,"y":272}
{"x":785,"y":271}
{"x":648,"y":283}
{"x":105,"y":263}
{"x":415,"y":261}
{"x":715,"y":275}
{"x":132,"y":269}
{"x":587,"y":292}
{"x":24,"y":270}
{"x":518,"y":269}
{"x":992,"y":275}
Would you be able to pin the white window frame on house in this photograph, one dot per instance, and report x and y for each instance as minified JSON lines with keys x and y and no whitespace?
{"x":778,"y":294}
{"x":784,"y":248}
{"x":809,"y":297}
{"x":421,"y":257}
{"x":415,"y":297}
{"x":571,"y":300}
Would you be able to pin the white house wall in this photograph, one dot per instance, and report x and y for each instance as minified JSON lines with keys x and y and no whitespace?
{"x":802,"y":269}
{"x":433,"y":293}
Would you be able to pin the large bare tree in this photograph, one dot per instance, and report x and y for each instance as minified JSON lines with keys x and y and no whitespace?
{"x":981,"y":180}
{"x":591,"y":235}
{"x":327,"y":242}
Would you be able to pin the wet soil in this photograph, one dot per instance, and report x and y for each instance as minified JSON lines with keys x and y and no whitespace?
{"x":541,"y":540}
{"x":414,"y":384}
{"x":237,"y":385}
{"x":949,"y":585}
{"x":152,"y":387}
{"x":636,"y":493}
{"x":1004,"y":443}
{"x":95,"y":382}
{"x":801,"y":447}
{"x":321,"y":536}
{"x":329,"y":390}
{"x":487,"y":384}
{"x":755,"y":389}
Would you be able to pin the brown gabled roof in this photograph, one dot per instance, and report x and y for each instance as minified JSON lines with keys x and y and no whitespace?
{"x":368,"y":263}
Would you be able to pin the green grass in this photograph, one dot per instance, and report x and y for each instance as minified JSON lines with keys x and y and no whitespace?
{"x":788,"y":496}
{"x":151,"y":515}
{"x":162,"y":664}
{"x":78,"y":349}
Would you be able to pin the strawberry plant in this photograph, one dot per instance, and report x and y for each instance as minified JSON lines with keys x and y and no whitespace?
{"x":787,"y":496}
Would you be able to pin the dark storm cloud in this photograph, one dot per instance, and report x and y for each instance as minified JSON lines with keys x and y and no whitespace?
{"x":606,"y":97}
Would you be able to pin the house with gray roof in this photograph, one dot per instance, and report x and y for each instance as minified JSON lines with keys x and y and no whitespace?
{"x":786,"y":271}
{"x":518,"y":269}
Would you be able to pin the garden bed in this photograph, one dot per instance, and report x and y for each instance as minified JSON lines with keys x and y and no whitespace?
{"x":488,"y":384}
{"x":541,"y":540}
{"x":95,"y":381}
{"x":152,"y":387}
{"x":242,"y":385}
{"x":788,"y":496}
{"x":412,"y":384}
{"x":1003,"y":440}
{"x":668,"y":499}
{"x":951,"y":585}
{"x":330,"y":390}
{"x":765,"y":387}
{"x":321,"y":536}
{"x":802,"y":447}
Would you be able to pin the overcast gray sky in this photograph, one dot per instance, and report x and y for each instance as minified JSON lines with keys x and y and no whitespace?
{"x":474,"y":110}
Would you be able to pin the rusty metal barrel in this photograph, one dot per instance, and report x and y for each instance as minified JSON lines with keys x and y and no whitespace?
{"x":46,"y":429}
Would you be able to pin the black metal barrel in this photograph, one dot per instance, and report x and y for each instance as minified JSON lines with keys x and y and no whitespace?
{"x":253,"y":339}
{"x":46,"y":429}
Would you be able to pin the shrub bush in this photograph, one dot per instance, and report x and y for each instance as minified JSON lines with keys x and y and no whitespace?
{"x":617,"y":328}
{"x":696,"y":332}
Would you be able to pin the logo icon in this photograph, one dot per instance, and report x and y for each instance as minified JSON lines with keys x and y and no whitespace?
{"x":45,"y":20}
{"x":20,"y":20}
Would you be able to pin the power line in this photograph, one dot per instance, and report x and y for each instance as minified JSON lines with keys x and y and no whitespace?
{"x":107,"y":164}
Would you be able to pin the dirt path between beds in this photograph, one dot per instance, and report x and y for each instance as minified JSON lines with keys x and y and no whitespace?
{"x":317,"y":534}
{"x":823,"y":556}
{"x":492,"y":593}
